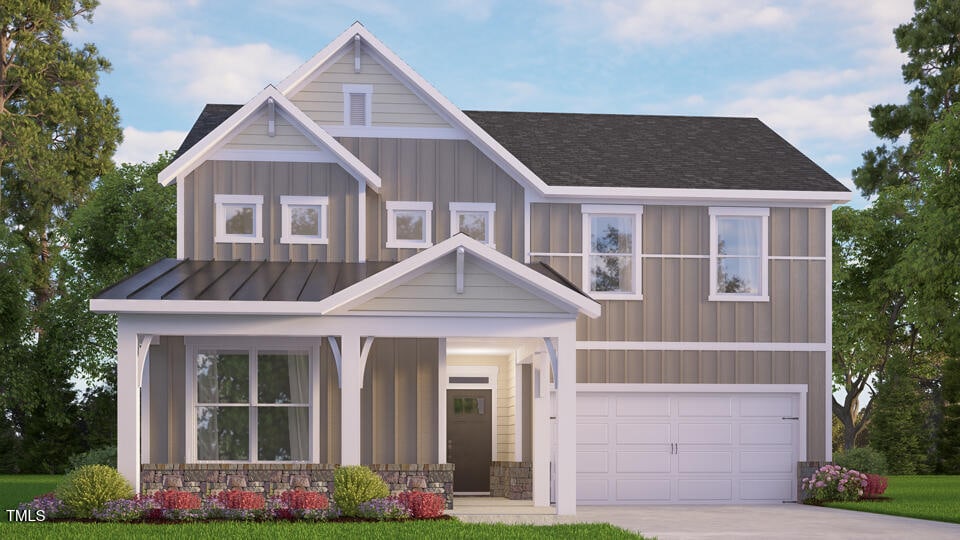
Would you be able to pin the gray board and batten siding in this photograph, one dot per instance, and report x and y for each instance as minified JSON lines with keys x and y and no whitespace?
{"x":398,"y":402}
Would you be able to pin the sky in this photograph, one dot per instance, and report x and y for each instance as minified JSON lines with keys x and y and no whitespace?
{"x":810,"y":69}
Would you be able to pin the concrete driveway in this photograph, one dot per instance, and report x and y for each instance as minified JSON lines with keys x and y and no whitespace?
{"x":775,"y":521}
{"x":782,"y":521}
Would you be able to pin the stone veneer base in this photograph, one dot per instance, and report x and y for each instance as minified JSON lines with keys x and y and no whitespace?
{"x":511,"y":479}
{"x":271,"y":478}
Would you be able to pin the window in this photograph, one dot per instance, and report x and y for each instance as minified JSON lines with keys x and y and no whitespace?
{"x":738,"y":254}
{"x":356,"y":104}
{"x":252,"y":405}
{"x":239,"y":219}
{"x":611,"y":243}
{"x":409,"y":224}
{"x":473,"y":219}
{"x":304,"y":220}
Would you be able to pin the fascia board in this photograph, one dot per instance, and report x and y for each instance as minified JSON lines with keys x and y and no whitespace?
{"x":687,"y":196}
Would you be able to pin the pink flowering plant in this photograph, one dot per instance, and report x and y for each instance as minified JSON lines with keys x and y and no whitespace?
{"x":834,"y":483}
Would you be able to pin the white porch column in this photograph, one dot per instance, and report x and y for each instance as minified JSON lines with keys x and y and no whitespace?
{"x":567,"y":422}
{"x":350,"y":380}
{"x":541,"y":430}
{"x":128,"y":404}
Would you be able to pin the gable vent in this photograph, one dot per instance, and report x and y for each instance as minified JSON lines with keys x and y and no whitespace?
{"x":358,"y":109}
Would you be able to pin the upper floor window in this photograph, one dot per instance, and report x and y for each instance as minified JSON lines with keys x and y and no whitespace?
{"x":239,"y":219}
{"x":409,"y":224}
{"x":252,"y":404}
{"x":611,"y":247}
{"x":738,"y":254}
{"x":473,"y":219}
{"x":356,"y":104}
{"x":304,"y":220}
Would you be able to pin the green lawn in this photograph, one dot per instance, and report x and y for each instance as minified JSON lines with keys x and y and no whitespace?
{"x":17,"y":489}
{"x":925,"y":497}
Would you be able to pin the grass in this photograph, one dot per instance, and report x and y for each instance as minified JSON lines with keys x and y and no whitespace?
{"x":21,"y":488}
{"x":935,"y":498}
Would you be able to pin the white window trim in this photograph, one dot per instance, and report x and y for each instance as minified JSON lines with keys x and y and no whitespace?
{"x":287,"y":237}
{"x":589,"y":210}
{"x":367,"y":91}
{"x":489,"y":208}
{"x":418,"y":206}
{"x":221,"y":226}
{"x":252,"y":346}
{"x":736,"y":211}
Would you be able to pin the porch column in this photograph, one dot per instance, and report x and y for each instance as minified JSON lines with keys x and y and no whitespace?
{"x":128,"y":404}
{"x":541,"y":429}
{"x":350,"y":381}
{"x":566,"y":466}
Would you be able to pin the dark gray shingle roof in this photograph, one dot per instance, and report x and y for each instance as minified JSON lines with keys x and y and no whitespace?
{"x":187,"y":279}
{"x":614,"y":150}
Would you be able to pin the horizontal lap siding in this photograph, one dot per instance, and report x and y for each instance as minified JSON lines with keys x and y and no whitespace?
{"x":399,"y":402}
{"x":392,"y":103}
{"x":255,"y":137}
{"x":439,"y":171}
{"x":272,"y":180}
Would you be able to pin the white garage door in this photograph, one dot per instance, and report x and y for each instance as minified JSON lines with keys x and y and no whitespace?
{"x":655,"y":448}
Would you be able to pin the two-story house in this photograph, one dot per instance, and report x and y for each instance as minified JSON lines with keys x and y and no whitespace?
{"x":573,"y":308}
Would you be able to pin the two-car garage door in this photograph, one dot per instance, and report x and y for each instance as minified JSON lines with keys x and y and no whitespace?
{"x":658,"y":448}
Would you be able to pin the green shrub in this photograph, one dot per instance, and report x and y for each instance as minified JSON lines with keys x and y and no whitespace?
{"x":106,"y":455}
{"x":864,"y":459}
{"x":356,"y":484}
{"x":89,"y":487}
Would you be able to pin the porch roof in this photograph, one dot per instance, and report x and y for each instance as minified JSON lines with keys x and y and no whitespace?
{"x":188,"y":279}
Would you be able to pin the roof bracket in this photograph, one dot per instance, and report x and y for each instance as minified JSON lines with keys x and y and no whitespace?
{"x":356,"y":53}
{"x":271,"y":117}
{"x":460,"y":270}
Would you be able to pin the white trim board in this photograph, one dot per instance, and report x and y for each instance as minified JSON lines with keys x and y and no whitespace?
{"x":701,"y":346}
{"x":695,"y":388}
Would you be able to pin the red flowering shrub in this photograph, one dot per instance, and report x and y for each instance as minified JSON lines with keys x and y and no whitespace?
{"x":173,"y":499}
{"x":423,"y":505}
{"x":876,"y":485}
{"x":241,"y":500}
{"x":304,"y":500}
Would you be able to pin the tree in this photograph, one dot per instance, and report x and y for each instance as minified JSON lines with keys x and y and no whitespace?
{"x":948,"y":437}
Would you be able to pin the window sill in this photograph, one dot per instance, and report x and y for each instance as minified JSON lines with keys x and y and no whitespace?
{"x":614,"y":296}
{"x":238,"y":239}
{"x":302,"y":240}
{"x":737,"y":298}
{"x":406,"y":244}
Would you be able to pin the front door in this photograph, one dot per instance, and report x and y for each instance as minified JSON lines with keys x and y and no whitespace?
{"x":469,"y":438}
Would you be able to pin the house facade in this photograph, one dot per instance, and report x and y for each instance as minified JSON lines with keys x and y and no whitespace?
{"x":571,"y":308}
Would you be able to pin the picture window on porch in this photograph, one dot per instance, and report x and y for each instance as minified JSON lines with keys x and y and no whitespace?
{"x":409,"y":224}
{"x":473,"y":219}
{"x":611,"y":244}
{"x":304,"y":220}
{"x":252,"y":405}
{"x":738,"y":254}
{"x":239,"y":219}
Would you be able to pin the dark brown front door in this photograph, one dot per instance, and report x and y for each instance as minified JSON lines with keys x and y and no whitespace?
{"x":469,"y":427}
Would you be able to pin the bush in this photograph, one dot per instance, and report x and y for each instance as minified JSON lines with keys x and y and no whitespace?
{"x":356,"y":484}
{"x":90,"y":487}
{"x":834,"y":483}
{"x":48,"y":503}
{"x":423,"y":505}
{"x":241,"y":500}
{"x":304,"y":500}
{"x":385,"y":509}
{"x":173,"y":499}
{"x":125,"y":510}
{"x":876,"y":486}
{"x":98,"y":456}
{"x":864,"y":459}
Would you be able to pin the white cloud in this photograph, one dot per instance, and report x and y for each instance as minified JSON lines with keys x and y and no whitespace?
{"x":636,"y":22}
{"x":473,"y":10}
{"x":228,"y":74}
{"x":141,"y":146}
{"x":797,"y":118}
{"x":150,"y":36}
{"x":140,"y":10}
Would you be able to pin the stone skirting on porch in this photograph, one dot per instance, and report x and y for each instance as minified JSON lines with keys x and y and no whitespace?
{"x":511,"y":479}
{"x":270,"y":478}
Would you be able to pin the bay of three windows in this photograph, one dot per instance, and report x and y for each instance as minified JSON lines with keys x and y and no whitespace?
{"x":737,"y":258}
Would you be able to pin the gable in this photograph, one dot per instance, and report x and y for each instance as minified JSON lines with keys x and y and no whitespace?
{"x":392,"y":103}
{"x":434,"y":290}
{"x":255,"y":135}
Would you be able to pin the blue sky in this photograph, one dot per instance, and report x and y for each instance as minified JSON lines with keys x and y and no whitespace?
{"x":808,"y":68}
